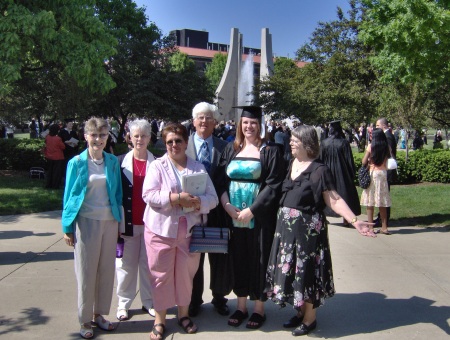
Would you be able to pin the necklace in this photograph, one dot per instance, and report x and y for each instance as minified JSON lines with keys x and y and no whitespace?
{"x":301,"y":167}
{"x":97,"y":161}
{"x":141,"y":171}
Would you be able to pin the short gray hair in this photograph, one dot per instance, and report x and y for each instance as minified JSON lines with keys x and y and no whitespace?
{"x":140,"y":124}
{"x":95,"y":124}
{"x":203,"y":107}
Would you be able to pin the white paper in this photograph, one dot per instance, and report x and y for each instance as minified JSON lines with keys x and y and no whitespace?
{"x":72,"y":141}
{"x":194,"y":184}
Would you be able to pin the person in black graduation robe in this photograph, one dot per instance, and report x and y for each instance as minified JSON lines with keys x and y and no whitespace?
{"x":250,"y":268}
{"x":336,"y":153}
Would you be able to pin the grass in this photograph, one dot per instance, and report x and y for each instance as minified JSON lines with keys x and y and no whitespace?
{"x":22,"y":195}
{"x":424,"y":204}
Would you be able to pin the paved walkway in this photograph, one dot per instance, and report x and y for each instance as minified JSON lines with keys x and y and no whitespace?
{"x":391,"y":287}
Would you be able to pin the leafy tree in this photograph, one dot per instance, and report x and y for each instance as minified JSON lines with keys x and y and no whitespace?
{"x":215,"y":69}
{"x":338,"y":82}
{"x":137,"y":67}
{"x":56,"y":36}
{"x":411,"y":39}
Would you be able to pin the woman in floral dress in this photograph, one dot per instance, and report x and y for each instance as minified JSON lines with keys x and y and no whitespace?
{"x":299,"y":270}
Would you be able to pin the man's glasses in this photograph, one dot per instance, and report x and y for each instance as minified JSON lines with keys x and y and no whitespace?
{"x":176,"y":141}
{"x":140,"y":136}
{"x":205,"y":118}
{"x":101,"y":135}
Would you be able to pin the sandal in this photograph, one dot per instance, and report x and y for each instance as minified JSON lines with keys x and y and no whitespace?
{"x":239,"y":316}
{"x":122,"y":314}
{"x":257,"y":319}
{"x":189,"y":328}
{"x":86,"y":332}
{"x":159,"y":335}
{"x":104,"y":324}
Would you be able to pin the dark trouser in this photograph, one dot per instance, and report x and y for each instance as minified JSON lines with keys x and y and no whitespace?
{"x":198,"y":287}
{"x":54,"y":173}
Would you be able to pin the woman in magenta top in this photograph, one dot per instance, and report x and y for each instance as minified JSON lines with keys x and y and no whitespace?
{"x":134,"y":166}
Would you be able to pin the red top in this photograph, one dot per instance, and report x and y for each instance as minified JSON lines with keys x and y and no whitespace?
{"x":139,"y":168}
{"x":54,"y":147}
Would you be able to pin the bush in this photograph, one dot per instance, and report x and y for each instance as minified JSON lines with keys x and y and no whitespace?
{"x":422,"y":166}
{"x":21,"y":154}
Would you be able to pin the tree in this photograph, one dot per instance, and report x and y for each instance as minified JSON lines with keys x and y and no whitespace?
{"x":54,"y":36}
{"x":214,"y":70}
{"x":411,"y":39}
{"x":138,"y":66}
{"x":339,"y":82}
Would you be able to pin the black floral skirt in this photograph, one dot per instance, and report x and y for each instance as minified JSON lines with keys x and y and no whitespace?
{"x":300,"y":268}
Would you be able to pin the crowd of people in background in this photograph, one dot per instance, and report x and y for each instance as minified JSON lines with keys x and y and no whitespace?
{"x":271,"y":186}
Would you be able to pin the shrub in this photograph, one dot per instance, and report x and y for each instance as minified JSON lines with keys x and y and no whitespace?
{"x":21,"y":154}
{"x":422,"y":166}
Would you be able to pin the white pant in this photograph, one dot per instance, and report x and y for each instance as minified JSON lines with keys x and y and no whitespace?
{"x":95,"y":247}
{"x":134,"y":258}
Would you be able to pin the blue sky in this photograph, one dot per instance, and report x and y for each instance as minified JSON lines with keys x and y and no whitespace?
{"x":290,"y":22}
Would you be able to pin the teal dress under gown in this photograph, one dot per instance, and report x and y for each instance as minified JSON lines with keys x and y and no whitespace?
{"x":244,"y":186}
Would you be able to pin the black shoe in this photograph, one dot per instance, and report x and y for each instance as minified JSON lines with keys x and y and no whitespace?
{"x":222,"y":309}
{"x":303,"y":329}
{"x":295,"y":321}
{"x":194,"y":310}
{"x":377,"y":223}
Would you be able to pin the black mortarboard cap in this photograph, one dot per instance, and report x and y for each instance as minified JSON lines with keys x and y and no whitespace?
{"x":335,"y":123}
{"x":68,"y":120}
{"x":254,"y":112}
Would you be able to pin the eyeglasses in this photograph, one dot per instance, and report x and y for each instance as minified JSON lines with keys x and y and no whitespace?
{"x":205,"y":118}
{"x":101,"y":135}
{"x":176,"y":141}
{"x":140,"y":136}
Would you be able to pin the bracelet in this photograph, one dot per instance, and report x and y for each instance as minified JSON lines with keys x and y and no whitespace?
{"x":354,"y":219}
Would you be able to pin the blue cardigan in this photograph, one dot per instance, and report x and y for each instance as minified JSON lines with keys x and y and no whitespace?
{"x":76,"y":184}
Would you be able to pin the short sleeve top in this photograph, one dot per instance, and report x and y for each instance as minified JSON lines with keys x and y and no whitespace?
{"x":305,"y":192}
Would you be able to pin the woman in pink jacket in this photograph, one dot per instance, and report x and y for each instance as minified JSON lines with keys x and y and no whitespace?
{"x":168,"y":228}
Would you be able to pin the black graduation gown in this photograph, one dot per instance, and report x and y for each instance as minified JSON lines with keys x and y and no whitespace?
{"x":250,"y":248}
{"x":336,"y":153}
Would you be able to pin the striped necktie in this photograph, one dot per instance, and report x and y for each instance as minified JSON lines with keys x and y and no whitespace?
{"x":204,"y":156}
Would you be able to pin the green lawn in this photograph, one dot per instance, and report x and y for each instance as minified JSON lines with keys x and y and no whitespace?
{"x":425,"y":204}
{"x":22,"y":195}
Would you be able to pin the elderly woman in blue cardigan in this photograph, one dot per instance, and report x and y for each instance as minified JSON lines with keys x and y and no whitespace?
{"x":90,"y":220}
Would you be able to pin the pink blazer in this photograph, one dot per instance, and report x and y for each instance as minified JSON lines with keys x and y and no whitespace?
{"x":159,"y":215}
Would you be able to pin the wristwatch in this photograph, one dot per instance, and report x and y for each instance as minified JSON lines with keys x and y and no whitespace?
{"x":354,"y":219}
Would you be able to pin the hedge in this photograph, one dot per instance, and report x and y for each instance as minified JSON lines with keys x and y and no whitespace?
{"x":22,"y":154}
{"x":422,"y":166}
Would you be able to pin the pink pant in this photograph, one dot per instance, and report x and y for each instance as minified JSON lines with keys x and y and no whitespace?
{"x":172,"y":268}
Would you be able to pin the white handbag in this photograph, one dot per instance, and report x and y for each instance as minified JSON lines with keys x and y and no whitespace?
{"x":391,"y":164}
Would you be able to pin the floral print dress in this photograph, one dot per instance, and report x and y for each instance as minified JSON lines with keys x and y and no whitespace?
{"x":300,"y":267}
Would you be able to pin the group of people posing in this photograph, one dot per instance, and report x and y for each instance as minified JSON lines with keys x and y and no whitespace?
{"x":278,"y":246}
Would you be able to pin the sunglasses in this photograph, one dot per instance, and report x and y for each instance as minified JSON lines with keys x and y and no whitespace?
{"x":175,"y":141}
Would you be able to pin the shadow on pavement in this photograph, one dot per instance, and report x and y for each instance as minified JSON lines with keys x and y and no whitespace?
{"x":31,"y":317}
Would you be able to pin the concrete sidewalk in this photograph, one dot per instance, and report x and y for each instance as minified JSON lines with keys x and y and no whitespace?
{"x":390,"y":287}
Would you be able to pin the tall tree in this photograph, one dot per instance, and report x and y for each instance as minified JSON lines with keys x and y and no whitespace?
{"x":56,"y":36}
{"x":137,"y":67}
{"x":338,"y":82}
{"x":411,"y":38}
{"x":215,"y":69}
